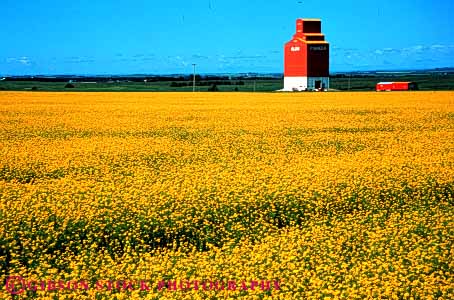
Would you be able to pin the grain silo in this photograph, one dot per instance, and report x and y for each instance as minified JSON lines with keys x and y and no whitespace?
{"x":306,"y":58}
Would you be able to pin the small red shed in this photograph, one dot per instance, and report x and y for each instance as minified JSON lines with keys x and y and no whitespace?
{"x":396,"y":86}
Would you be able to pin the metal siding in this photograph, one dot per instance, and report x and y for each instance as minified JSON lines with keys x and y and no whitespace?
{"x":312,"y":26}
{"x":295,"y":83}
{"x":392,"y":86}
{"x":299,"y":28}
{"x":384,"y":86}
{"x":324,"y":83}
{"x":295,"y":61}
{"x":400,"y":86}
{"x":318,"y":60}
{"x":315,"y":38}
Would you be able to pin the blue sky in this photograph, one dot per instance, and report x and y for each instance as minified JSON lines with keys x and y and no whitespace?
{"x":161,"y":37}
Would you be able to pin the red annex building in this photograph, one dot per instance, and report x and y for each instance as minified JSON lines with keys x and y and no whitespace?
{"x":396,"y":86}
{"x":306,"y":58}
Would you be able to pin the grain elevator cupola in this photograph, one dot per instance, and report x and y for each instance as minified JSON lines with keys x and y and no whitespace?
{"x":306,"y":58}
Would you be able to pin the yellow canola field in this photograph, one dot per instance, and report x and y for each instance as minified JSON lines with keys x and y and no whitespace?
{"x":287,"y":196}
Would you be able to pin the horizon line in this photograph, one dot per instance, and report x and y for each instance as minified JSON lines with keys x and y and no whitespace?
{"x":403,"y":70}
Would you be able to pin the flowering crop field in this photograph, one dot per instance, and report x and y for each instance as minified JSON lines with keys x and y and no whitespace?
{"x":227,"y":196}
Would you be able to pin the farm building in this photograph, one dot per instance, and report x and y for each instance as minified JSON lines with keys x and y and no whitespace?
{"x":396,"y":86}
{"x":306,"y":58}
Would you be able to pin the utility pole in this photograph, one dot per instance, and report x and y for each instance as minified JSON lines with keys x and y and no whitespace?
{"x":193,"y":78}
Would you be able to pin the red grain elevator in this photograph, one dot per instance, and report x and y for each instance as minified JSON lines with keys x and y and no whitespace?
{"x":306,"y":58}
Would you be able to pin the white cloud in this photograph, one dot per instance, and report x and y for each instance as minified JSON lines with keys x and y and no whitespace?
{"x":23,"y":60}
{"x":418,"y":48}
{"x":180,"y":60}
{"x":199,"y":56}
{"x":421,"y":55}
{"x":79,"y":59}
{"x":436,"y":46}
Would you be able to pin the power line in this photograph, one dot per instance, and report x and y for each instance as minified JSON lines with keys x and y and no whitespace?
{"x":193,"y":78}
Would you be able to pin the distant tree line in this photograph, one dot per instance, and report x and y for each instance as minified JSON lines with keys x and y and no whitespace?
{"x":347,"y":75}
{"x":96,"y":79}
{"x":136,"y":78}
{"x":206,"y":83}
